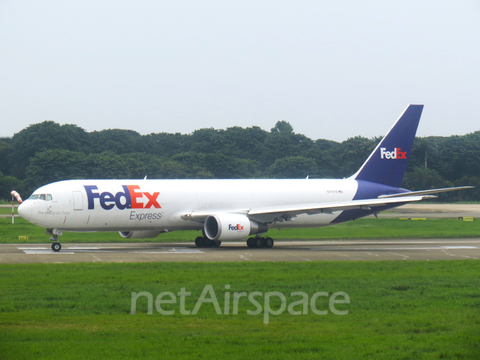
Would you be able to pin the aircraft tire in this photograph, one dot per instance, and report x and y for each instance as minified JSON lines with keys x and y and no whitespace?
{"x":251,"y":242}
{"x":269,"y":242}
{"x":259,"y":242}
{"x":217,"y":243}
{"x":56,"y":247}
{"x":207,"y":242}
{"x":199,"y":241}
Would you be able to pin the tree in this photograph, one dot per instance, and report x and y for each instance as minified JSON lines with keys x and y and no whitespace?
{"x":225,"y":167}
{"x":243,"y":143}
{"x":6,"y":157}
{"x":44,"y":136}
{"x":54,"y":165}
{"x":208,"y":141}
{"x":348,"y":156}
{"x":292,"y":167}
{"x":282,"y":127}
{"x":422,"y":178}
{"x":458,"y":156}
{"x":164,"y":144}
{"x":9,"y":183}
{"x":115,"y":140}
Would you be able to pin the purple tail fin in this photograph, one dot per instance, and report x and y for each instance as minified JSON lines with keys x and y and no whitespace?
{"x":387,"y":163}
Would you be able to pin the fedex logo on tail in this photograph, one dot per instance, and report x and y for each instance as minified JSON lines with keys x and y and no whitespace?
{"x":131,"y":198}
{"x":395,"y":154}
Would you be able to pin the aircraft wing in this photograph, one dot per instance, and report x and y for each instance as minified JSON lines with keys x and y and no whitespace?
{"x":270,"y":214}
{"x":283,"y":213}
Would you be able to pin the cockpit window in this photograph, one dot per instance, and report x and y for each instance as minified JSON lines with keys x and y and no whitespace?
{"x":47,"y":197}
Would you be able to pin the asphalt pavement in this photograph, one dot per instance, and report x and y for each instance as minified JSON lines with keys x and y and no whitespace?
{"x":361,"y":250}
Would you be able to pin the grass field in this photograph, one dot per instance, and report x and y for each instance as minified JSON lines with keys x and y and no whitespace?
{"x":370,"y":228}
{"x":397,"y":310}
{"x":7,"y":211}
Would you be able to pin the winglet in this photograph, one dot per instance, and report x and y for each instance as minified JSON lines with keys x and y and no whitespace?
{"x":387,"y":163}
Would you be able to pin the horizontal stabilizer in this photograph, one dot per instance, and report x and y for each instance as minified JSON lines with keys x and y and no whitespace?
{"x":425,"y":192}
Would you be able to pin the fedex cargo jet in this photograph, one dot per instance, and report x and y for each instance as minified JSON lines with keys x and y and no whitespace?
{"x":230,"y":210}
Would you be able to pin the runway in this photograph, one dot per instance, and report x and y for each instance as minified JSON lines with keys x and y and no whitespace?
{"x":361,"y":250}
{"x":351,"y":250}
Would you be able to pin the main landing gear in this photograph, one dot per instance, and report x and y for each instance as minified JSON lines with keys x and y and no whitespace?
{"x":259,"y":242}
{"x":253,"y":242}
{"x":203,"y":241}
{"x":56,"y":246}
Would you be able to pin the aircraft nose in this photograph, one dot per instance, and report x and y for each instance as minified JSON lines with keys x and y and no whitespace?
{"x":25,"y":210}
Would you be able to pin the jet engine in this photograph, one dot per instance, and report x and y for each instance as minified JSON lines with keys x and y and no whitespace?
{"x":231,"y":227}
{"x":140,"y":234}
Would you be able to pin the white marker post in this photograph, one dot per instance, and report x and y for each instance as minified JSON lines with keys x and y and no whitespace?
{"x":13,"y":211}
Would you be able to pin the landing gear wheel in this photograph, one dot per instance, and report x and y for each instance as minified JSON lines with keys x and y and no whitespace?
{"x":269,"y":242}
{"x":251,"y":242}
{"x":207,"y":242}
{"x":217,"y":243}
{"x":259,"y":242}
{"x":56,"y":247}
{"x":199,"y":241}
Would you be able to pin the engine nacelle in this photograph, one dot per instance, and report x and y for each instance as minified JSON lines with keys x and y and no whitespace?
{"x":225,"y":227}
{"x":140,"y":234}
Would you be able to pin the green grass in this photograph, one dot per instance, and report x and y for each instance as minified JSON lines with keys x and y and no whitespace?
{"x":397,"y":310}
{"x":7,"y":211}
{"x":360,"y":229}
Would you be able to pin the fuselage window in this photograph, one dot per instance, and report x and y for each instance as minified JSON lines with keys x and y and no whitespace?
{"x":49,"y":197}
{"x":33,"y":197}
{"x":42,"y":197}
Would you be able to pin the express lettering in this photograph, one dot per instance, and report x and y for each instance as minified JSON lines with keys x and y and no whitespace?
{"x":395,"y":154}
{"x":130,"y":198}
{"x":141,"y":217}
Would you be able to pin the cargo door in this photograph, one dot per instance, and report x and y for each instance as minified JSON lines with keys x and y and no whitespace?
{"x":77,"y":200}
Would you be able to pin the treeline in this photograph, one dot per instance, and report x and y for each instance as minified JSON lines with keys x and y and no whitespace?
{"x":48,"y":152}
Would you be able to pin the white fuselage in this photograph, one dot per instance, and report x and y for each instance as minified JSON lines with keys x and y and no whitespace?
{"x":103,"y":205}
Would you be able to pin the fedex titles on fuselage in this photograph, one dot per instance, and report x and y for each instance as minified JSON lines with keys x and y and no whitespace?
{"x":130,"y":198}
{"x":395,"y":154}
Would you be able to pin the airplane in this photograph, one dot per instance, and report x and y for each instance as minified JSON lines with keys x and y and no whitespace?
{"x":234,"y":209}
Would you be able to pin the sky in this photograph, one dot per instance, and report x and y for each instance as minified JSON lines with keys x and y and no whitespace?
{"x":332,"y":69}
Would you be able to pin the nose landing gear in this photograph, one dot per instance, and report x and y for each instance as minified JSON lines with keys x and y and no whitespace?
{"x":56,"y":246}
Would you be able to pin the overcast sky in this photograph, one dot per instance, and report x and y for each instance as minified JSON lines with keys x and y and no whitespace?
{"x":332,"y":69}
